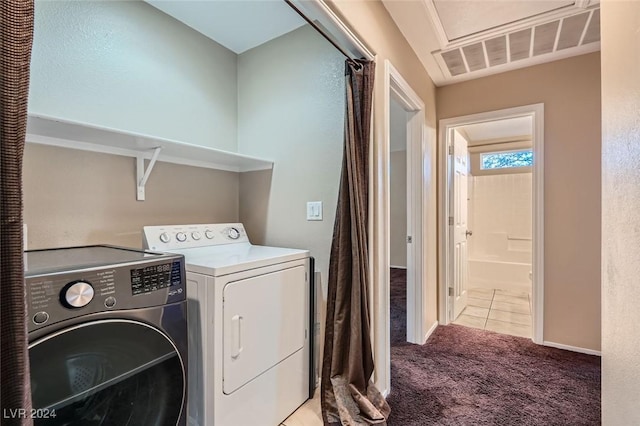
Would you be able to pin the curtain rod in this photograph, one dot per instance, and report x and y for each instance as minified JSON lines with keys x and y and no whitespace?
{"x":320,"y":30}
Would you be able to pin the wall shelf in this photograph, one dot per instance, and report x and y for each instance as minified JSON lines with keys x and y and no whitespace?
{"x":53,"y":131}
{"x":88,"y":137}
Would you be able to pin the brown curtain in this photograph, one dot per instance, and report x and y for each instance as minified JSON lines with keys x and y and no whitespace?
{"x":16,"y":26}
{"x":348,"y":394}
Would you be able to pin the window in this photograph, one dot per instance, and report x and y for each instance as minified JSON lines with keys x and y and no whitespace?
{"x":507,"y":159}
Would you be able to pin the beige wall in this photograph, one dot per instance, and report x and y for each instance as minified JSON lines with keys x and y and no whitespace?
{"x":126,"y":65}
{"x":620,"y":207}
{"x":398,"y":185}
{"x":76,"y":197}
{"x":398,"y":209}
{"x":291,"y":110}
{"x":570,"y":91}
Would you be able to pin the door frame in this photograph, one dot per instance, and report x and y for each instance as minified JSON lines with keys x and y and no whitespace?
{"x":421,"y":222}
{"x":536,"y":112}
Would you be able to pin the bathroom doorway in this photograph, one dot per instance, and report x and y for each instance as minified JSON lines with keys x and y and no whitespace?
{"x":492,"y":248}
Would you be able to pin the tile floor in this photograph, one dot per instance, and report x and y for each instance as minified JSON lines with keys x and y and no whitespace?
{"x":501,"y":311}
{"x":308,"y":414}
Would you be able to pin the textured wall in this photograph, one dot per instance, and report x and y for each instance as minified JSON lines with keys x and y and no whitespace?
{"x":570,"y":91}
{"x":76,"y":197}
{"x":126,"y":65}
{"x":620,"y":212}
{"x":291,"y":110}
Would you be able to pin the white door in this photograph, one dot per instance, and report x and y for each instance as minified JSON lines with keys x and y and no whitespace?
{"x":460,"y":248}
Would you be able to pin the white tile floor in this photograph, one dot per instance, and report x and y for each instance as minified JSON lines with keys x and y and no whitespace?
{"x":501,"y":311}
{"x":309,"y":414}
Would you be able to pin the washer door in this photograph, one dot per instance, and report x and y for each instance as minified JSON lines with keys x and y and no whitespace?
{"x":111,"y":372}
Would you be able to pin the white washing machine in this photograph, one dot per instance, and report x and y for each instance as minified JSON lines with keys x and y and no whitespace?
{"x":249,"y":317}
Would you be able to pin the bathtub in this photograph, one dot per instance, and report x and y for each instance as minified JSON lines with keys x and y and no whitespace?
{"x":499,"y":275}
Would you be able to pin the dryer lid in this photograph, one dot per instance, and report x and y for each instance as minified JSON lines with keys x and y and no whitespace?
{"x":232,"y":258}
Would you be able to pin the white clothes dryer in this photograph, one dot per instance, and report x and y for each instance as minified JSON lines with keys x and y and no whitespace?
{"x":249,"y":316}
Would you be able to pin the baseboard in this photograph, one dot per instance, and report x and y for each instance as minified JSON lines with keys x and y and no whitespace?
{"x":572,"y":348}
{"x":397,"y":267}
{"x":431,"y":330}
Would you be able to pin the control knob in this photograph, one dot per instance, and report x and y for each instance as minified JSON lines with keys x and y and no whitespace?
{"x":196,"y":235}
{"x":209,"y":234}
{"x":233,"y":233}
{"x":165,"y":238}
{"x":77,"y":294}
{"x":181,"y":236}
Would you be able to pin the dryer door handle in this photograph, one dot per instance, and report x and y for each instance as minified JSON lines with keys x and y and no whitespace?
{"x":236,"y":322}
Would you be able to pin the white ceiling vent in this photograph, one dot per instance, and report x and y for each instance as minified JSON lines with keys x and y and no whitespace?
{"x":524,"y":44}
{"x":474,"y":53}
{"x":454,"y":61}
{"x":593,"y":29}
{"x":572,"y":30}
{"x":520,"y":44}
{"x":497,"y":50}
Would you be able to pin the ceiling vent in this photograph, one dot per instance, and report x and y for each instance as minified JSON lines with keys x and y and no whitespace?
{"x":569,"y":32}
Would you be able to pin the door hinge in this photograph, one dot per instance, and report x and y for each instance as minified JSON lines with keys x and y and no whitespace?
{"x":450,"y":291}
{"x":409,"y":239}
{"x":450,"y":149}
{"x":450,"y":220}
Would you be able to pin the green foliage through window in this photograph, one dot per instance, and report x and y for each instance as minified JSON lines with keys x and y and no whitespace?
{"x":503,"y":160}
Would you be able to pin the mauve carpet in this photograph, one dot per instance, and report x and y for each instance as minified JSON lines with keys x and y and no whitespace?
{"x":465,"y":376}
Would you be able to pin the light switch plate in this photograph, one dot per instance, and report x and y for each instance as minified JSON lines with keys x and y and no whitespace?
{"x":314,"y":210}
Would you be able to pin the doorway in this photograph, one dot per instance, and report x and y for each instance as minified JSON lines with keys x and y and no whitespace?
{"x":421,"y":228}
{"x":399,"y":183}
{"x":492,"y":221}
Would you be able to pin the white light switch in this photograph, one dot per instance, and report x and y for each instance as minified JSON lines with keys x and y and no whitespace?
{"x":314,"y":210}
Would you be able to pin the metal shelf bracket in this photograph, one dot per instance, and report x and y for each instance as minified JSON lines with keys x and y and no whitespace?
{"x":142,"y":175}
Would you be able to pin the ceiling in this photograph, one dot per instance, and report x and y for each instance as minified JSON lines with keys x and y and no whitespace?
{"x":238,"y":25}
{"x":459,"y":40}
{"x":506,"y":130}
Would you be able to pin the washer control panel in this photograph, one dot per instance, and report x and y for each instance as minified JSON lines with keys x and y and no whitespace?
{"x":155,"y":277}
{"x":170,"y":237}
{"x":64,"y":295}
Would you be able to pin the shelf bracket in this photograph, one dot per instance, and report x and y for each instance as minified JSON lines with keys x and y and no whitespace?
{"x":142,"y":175}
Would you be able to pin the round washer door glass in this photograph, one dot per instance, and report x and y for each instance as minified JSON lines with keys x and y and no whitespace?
{"x":113,"y":372}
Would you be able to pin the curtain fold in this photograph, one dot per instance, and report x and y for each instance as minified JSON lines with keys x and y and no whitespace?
{"x":16,"y":38}
{"x":348,"y":395}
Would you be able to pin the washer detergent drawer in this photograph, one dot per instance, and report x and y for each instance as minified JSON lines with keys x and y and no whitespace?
{"x":264,"y":322}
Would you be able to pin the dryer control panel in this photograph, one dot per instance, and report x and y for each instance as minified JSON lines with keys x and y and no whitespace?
{"x":171,"y":237}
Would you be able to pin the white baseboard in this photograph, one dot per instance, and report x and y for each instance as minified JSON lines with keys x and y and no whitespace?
{"x":398,"y":267}
{"x":431,"y":330}
{"x":572,"y":348}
